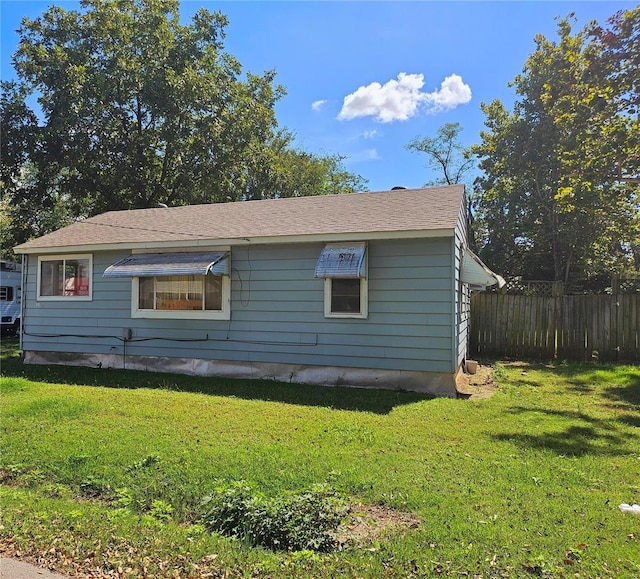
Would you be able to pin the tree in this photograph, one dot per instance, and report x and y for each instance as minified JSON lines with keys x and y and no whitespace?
{"x":18,"y":136}
{"x":18,"y":221}
{"x":446,"y":155}
{"x":137,"y":109}
{"x":281,"y":170}
{"x":550,"y":194}
{"x":619,"y":46}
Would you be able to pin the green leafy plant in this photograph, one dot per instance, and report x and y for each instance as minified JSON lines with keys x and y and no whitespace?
{"x":161,"y":510}
{"x":148,"y":461}
{"x":294,"y":522}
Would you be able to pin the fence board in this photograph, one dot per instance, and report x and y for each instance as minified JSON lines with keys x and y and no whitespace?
{"x":606,"y":327}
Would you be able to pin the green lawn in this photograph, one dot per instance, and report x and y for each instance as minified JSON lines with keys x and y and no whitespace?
{"x":104,"y":472}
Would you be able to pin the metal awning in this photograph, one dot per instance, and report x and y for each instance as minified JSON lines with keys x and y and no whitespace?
{"x":165,"y":264}
{"x":476,"y":273}
{"x":342,"y":260}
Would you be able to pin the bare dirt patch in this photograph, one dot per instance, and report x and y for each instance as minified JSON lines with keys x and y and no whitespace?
{"x":478,"y":386}
{"x":367,"y":522}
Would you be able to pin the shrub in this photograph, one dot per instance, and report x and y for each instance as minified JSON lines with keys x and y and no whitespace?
{"x":293,"y":522}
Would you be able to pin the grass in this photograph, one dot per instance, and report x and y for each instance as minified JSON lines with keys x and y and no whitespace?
{"x":104,"y":472}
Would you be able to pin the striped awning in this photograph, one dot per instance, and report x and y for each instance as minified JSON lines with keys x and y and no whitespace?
{"x":476,"y":273}
{"x":342,"y":260}
{"x":165,"y":264}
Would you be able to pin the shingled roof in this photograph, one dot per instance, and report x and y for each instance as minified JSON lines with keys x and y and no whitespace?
{"x":431,"y":211}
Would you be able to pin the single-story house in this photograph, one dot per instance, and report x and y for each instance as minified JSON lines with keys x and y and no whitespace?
{"x":364,"y":289}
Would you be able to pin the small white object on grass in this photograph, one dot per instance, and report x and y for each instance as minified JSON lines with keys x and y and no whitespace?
{"x":625,"y":508}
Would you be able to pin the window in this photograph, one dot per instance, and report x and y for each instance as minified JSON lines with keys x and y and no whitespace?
{"x":180,"y":292}
{"x":181,"y":297}
{"x":6,"y":293}
{"x":346,"y":298}
{"x":177,"y":285}
{"x":343,"y":267}
{"x":64,"y":277}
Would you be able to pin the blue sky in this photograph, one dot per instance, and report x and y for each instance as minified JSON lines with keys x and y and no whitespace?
{"x":365,"y":78}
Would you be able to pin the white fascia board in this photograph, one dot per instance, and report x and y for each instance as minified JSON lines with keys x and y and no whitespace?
{"x":270,"y":240}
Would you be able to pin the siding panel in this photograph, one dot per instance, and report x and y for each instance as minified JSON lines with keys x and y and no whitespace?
{"x":461,"y":296}
{"x":277,"y":313}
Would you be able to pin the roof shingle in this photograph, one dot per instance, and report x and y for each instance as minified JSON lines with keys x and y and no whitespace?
{"x":384,"y":212}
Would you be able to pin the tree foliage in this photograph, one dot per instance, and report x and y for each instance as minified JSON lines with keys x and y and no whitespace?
{"x":135,"y":109}
{"x":445,"y":154}
{"x":552,"y":198}
{"x":448,"y":158}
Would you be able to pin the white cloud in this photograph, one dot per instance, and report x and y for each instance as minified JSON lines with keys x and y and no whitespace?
{"x":370,"y":134}
{"x":317,"y":105}
{"x":399,"y":100}
{"x":453,"y":92}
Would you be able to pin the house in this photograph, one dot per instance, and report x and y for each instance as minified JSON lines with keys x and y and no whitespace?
{"x":365,"y":289}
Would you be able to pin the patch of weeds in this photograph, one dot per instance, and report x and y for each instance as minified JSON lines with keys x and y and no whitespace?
{"x":33,"y":477}
{"x":292,"y":522}
{"x":10,"y":472}
{"x":56,"y":491}
{"x":540,"y":567}
{"x":161,"y":510}
{"x":499,"y":372}
{"x":123,"y":498}
{"x":20,"y":475}
{"x":395,"y":500}
{"x":93,"y":487}
{"x":148,"y":461}
{"x":305,"y":556}
{"x":196,"y":530}
{"x":154,"y":488}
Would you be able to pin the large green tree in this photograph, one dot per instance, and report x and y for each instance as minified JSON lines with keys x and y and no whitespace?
{"x":618,"y":43}
{"x":551,"y":194}
{"x":135,"y":109}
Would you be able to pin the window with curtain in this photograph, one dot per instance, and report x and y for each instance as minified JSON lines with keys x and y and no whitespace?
{"x":180,"y":293}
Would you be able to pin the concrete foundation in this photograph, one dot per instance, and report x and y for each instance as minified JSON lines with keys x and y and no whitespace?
{"x":438,"y":384}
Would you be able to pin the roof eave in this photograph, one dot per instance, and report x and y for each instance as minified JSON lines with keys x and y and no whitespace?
{"x":264,"y":240}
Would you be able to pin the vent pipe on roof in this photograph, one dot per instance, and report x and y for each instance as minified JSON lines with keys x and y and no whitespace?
{"x":161,"y":206}
{"x":397,"y":187}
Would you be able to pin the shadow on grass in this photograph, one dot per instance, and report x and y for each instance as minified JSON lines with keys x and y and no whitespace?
{"x":630,"y":419}
{"x":340,"y":398}
{"x":580,"y":434}
{"x":617,"y":382}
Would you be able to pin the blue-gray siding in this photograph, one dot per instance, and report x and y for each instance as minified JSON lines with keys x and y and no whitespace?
{"x":461,"y":291}
{"x":277,"y":313}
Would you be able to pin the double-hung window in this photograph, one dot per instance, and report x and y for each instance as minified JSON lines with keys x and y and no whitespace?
{"x":65,"y":277}
{"x":343,"y":267}
{"x":177,"y":285}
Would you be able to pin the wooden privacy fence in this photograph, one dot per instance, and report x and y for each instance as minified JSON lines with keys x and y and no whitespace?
{"x":580,"y":327}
